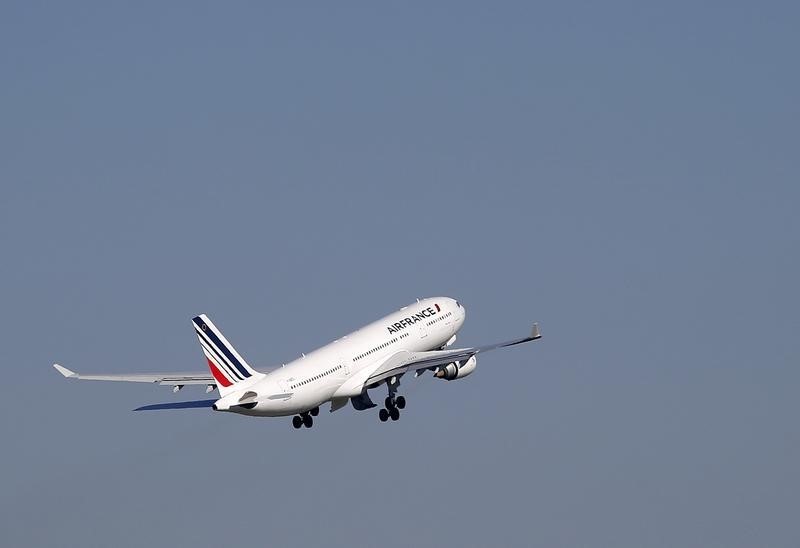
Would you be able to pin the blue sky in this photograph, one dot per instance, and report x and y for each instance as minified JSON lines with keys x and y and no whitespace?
{"x":625,"y":173}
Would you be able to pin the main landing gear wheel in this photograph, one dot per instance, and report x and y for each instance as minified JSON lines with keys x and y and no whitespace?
{"x":304,"y":419}
{"x":314,"y":412}
{"x":393,"y":407}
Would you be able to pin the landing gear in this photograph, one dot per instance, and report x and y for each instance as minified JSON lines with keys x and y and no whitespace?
{"x":392,"y":409}
{"x":393,"y":404}
{"x":304,"y":419}
{"x":314,"y":412}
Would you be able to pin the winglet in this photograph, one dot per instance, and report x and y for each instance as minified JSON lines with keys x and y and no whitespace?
{"x":64,"y":371}
{"x":535,"y":333}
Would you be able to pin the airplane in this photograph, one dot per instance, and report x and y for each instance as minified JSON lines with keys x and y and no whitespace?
{"x":415,"y":339}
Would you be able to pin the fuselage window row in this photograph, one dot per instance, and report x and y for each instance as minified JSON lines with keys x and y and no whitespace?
{"x":440,"y":318}
{"x":317,"y":377}
{"x":380,"y":347}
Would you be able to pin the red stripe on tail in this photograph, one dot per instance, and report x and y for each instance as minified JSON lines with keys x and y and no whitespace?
{"x":217,"y":375}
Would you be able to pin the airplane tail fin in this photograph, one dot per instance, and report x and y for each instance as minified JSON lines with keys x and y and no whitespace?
{"x":227,"y":366}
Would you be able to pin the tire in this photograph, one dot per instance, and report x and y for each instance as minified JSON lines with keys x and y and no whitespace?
{"x":394,"y":413}
{"x":314,"y":412}
{"x":297,"y":421}
{"x":383,"y":414}
{"x":308,"y":421}
{"x":400,"y":402}
{"x":388,"y":402}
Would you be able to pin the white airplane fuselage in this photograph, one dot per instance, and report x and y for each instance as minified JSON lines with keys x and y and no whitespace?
{"x":339,"y":369}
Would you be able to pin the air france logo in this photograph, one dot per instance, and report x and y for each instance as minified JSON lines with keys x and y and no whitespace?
{"x":419,"y":316}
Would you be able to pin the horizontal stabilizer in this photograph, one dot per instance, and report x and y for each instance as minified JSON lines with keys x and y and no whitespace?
{"x":64,"y":371}
{"x":174,"y":379}
{"x":196,"y":404}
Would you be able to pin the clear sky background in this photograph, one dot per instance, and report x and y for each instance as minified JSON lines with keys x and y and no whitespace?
{"x":626,"y":174}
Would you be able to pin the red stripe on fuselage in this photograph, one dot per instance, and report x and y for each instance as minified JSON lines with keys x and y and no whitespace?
{"x":217,"y":375}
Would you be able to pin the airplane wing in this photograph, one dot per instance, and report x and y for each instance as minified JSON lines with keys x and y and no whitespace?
{"x":195,"y":404}
{"x":173,"y":379}
{"x":404,"y":361}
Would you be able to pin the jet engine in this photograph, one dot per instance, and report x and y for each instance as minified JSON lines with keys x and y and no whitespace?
{"x":457,"y":370}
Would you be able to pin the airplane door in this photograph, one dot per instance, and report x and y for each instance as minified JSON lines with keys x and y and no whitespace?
{"x":345,"y":363}
{"x":423,"y":330}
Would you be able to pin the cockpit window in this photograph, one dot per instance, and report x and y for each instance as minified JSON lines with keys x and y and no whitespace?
{"x":458,"y":304}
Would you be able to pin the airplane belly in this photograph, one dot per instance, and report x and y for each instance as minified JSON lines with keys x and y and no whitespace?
{"x":296,"y":402}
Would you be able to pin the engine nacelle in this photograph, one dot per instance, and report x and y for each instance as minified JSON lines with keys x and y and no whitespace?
{"x":457,"y":370}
